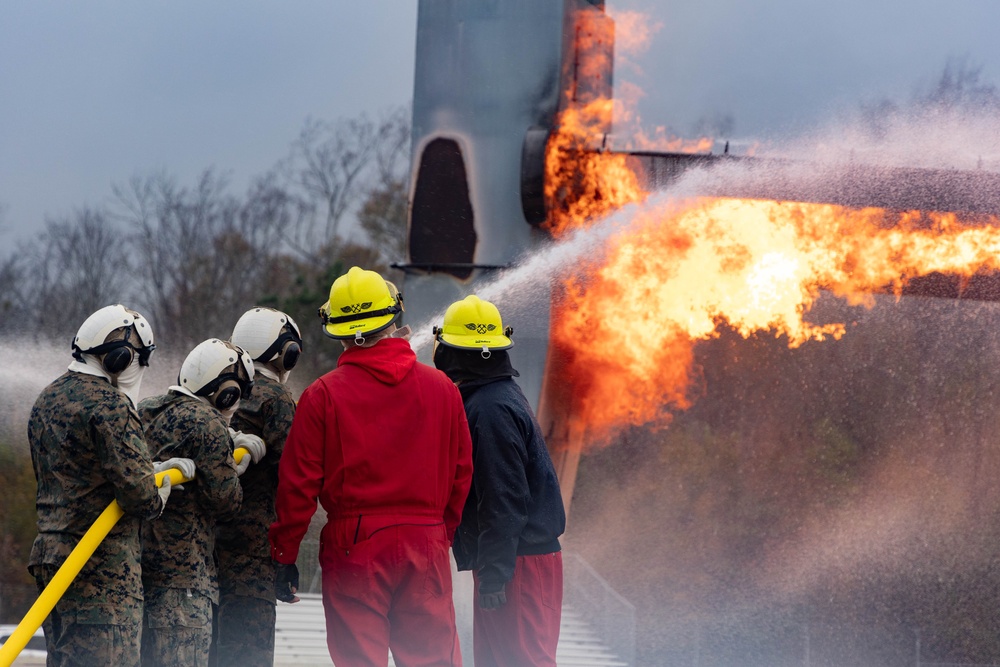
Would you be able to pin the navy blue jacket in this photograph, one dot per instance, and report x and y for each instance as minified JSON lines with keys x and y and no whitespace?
{"x":514,"y":507}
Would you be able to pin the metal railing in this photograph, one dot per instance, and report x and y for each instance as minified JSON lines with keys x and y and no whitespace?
{"x":309,"y":569}
{"x":610,"y":615}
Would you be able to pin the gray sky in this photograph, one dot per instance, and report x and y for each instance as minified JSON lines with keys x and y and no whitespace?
{"x":94,"y":92}
{"x":779,"y":65}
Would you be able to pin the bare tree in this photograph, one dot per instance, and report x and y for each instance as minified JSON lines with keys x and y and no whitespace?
{"x":383,"y":215}
{"x":332,"y":166}
{"x":383,"y":218}
{"x":181,"y":239}
{"x":15,"y":305}
{"x":75,"y":266}
{"x":960,"y":87}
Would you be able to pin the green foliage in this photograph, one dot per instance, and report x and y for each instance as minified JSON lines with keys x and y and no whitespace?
{"x":835,"y":457}
{"x":17,"y":531}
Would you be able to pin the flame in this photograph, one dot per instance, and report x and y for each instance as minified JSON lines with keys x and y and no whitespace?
{"x":583,"y":184}
{"x":634,"y":31}
{"x":682,"y":270}
{"x":627,"y":324}
{"x":583,"y":181}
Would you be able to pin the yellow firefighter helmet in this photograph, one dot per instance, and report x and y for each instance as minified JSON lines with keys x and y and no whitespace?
{"x":361,"y":303}
{"x":474,"y":324}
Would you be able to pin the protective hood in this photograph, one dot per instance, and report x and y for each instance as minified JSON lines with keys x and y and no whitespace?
{"x":177,"y":389}
{"x":388,"y":361}
{"x":268,"y":371}
{"x":227,"y":415}
{"x":462,"y":365}
{"x":128,"y":382}
{"x":90,"y":365}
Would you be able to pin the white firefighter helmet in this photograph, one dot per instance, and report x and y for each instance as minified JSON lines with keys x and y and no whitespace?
{"x":269,"y":335}
{"x":219,"y":371}
{"x":116,"y":335}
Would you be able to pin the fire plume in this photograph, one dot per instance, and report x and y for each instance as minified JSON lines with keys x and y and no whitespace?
{"x":627,"y":322}
{"x":582,"y":183}
{"x":683,"y":269}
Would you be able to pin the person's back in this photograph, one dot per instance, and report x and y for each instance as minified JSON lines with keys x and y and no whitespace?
{"x":245,"y":616}
{"x":178,"y":551}
{"x":392,"y":415}
{"x":73,"y":486}
{"x":67,"y":428}
{"x":509,"y":535}
{"x":383,"y":443}
{"x":87,"y":451}
{"x":531,"y":501}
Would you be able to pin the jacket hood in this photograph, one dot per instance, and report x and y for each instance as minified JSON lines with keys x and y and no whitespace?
{"x":388,"y":360}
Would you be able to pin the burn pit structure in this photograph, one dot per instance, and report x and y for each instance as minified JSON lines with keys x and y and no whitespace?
{"x":492,"y":78}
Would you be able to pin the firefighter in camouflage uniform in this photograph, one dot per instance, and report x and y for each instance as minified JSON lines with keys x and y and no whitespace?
{"x":178,"y":564}
{"x":245,"y":617}
{"x":87,"y":450}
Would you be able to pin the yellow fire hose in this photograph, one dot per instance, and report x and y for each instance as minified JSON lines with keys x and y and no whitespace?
{"x":71,"y":567}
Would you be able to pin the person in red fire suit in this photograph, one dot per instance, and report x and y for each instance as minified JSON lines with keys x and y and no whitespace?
{"x":509,"y":535}
{"x":383,"y":442}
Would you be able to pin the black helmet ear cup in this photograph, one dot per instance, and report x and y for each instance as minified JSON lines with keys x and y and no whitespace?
{"x":118,"y":359}
{"x":289,"y":355}
{"x":226,"y":395}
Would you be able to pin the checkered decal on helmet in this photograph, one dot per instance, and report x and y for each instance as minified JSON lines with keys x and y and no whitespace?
{"x":356,"y":307}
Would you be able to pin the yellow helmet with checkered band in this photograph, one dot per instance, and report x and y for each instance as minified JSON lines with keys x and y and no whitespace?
{"x":474,"y":324}
{"x":361,"y":303}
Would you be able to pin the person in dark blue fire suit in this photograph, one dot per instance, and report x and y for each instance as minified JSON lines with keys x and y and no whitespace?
{"x":512,"y":520}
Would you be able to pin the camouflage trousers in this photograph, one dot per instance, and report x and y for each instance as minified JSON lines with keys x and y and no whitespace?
{"x":244,"y":632}
{"x":176,"y":628}
{"x":85,"y":631}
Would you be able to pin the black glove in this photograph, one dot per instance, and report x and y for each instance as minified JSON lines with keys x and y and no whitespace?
{"x":286,"y":582}
{"x":490,"y":598}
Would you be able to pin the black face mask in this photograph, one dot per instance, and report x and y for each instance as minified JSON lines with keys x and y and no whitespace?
{"x":463,"y":365}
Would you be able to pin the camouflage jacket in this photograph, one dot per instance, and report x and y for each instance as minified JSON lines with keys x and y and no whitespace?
{"x":87,"y":450}
{"x":177,"y":549}
{"x":245,"y":555}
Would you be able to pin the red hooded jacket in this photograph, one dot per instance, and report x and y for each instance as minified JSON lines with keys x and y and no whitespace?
{"x":379,"y":436}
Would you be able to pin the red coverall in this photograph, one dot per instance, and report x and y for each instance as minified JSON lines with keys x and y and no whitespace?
{"x":383,"y":442}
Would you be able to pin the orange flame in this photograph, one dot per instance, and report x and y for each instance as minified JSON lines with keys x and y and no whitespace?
{"x":583,"y":182}
{"x":628,"y":323}
{"x":680,"y":271}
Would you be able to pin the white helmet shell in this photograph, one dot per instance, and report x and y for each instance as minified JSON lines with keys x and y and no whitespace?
{"x":95,"y":329}
{"x":208,"y":361}
{"x":260,"y":328}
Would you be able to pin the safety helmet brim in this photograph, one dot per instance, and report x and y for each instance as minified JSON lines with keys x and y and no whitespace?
{"x":474,"y":324}
{"x":464,"y":342}
{"x":361,"y":303}
{"x":366,"y":327}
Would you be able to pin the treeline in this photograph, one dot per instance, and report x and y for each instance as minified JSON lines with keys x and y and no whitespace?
{"x":192,"y":258}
